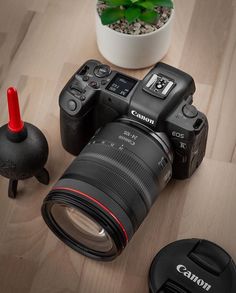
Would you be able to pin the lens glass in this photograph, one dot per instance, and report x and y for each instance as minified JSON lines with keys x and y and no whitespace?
{"x":82,"y":228}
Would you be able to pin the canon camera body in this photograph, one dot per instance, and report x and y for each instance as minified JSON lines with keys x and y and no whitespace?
{"x":162,"y":101}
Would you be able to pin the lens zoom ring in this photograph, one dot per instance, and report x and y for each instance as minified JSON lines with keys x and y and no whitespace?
{"x":126,"y":165}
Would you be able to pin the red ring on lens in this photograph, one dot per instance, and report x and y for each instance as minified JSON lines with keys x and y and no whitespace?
{"x":98,"y":203}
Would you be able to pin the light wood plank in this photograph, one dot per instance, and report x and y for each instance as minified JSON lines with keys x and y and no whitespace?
{"x":208,"y":32}
{"x":222,"y":106}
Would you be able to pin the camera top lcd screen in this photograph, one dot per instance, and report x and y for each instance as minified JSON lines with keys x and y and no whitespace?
{"x":121,"y":85}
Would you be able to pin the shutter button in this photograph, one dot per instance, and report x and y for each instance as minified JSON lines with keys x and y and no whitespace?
{"x":190,"y":111}
{"x":72,"y":105}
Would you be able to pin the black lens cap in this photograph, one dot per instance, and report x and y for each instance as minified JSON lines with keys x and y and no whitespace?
{"x":192,"y":266}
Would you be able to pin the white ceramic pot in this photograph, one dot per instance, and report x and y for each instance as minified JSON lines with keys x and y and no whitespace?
{"x":133,"y":51}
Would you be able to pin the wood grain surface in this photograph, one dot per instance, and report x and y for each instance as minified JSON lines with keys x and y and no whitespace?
{"x":42,"y":43}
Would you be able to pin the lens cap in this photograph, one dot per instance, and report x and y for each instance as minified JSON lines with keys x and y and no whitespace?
{"x":192,"y":266}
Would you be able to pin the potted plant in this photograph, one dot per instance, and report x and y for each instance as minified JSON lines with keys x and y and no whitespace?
{"x":134,"y":33}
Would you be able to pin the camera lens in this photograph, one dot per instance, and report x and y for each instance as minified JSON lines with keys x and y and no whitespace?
{"x":108,"y":190}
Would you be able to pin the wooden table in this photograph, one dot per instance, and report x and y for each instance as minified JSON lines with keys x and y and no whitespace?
{"x":41,"y":44}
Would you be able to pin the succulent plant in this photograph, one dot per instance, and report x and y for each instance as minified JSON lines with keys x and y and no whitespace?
{"x":133,"y":10}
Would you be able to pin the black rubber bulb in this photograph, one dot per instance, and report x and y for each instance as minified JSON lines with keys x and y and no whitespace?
{"x":23,"y":148}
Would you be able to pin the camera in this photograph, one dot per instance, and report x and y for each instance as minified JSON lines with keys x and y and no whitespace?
{"x":131,"y":137}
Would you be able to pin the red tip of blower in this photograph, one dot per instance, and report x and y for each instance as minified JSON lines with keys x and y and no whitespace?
{"x":15,"y":123}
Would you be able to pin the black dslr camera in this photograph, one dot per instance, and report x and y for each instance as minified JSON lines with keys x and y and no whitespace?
{"x":132,"y":136}
{"x":95,"y":96}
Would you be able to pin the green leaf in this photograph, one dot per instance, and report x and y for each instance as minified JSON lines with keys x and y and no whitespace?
{"x":111,"y":15}
{"x":164,"y":3}
{"x":149,"y":16}
{"x":147,"y":4}
{"x":132,"y":13}
{"x":135,"y":1}
{"x":117,"y":3}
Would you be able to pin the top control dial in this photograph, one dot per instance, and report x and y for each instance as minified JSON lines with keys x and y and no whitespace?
{"x":102,"y":71}
{"x":190,"y":111}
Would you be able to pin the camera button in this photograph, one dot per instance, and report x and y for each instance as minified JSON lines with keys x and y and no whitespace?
{"x":72,"y":105}
{"x":102,"y":71}
{"x":94,"y":85}
{"x":82,"y":98}
{"x":85,"y":78}
{"x":104,"y":82}
{"x":190,"y":111}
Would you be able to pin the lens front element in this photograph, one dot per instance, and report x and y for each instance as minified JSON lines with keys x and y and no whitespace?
{"x":82,"y":228}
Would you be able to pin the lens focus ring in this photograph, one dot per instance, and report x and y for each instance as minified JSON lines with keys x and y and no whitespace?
{"x":124,"y":164}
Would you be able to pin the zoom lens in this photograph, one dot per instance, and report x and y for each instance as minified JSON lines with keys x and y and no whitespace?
{"x":108,"y":190}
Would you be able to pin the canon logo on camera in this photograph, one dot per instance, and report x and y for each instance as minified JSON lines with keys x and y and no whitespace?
{"x":142,"y":117}
{"x":201,"y":283}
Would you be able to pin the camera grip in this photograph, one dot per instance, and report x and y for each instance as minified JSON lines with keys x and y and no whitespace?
{"x":75,"y":131}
